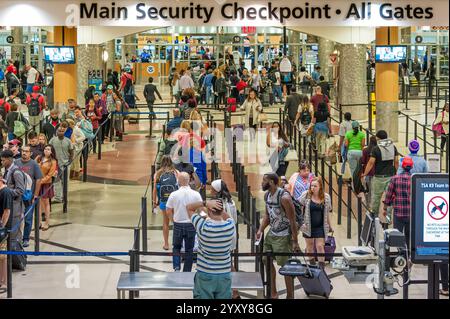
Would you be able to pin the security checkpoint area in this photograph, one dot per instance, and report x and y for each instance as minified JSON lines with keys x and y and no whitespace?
{"x":202,"y":153}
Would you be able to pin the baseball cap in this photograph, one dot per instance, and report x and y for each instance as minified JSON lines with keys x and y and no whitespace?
{"x":355,"y":124}
{"x":36,"y":88}
{"x":14,"y":142}
{"x":109,"y":87}
{"x":414,"y":146}
{"x":407,"y":162}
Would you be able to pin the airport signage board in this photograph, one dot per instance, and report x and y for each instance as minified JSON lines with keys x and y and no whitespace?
{"x":224,"y":13}
{"x":429,"y":218}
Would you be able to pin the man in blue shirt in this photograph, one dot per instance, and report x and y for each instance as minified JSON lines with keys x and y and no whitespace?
{"x":420,"y":164}
{"x":208,"y":86}
{"x":316,"y":74}
{"x":145,"y":57}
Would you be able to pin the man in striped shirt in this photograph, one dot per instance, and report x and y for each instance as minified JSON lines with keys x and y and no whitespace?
{"x":216,"y":234}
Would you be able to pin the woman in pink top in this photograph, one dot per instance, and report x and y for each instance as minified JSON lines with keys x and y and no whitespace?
{"x":300,"y":182}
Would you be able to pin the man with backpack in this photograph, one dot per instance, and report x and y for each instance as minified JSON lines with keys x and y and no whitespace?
{"x":220,"y":90}
{"x":5,"y":107}
{"x":127,"y":87}
{"x":166,"y":146}
{"x":280,"y":214}
{"x":16,"y":182}
{"x":291,"y":107}
{"x":36,"y":104}
{"x":30,"y":168}
{"x":318,"y":98}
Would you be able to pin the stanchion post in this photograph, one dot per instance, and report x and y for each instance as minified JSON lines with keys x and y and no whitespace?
{"x":111,"y":127}
{"x":349,"y":211}
{"x":415,"y":130}
{"x":330,"y":184}
{"x":424,"y":142}
{"x":407,"y":130}
{"x":36,"y":225}
{"x":65,"y":185}
{"x":100,"y":141}
{"x":136,"y":248}
{"x":426,"y":110}
{"x":9,"y":283}
{"x":85,"y":161}
{"x":257,"y":224}
{"x":359,"y":220}
{"x":144,"y":223}
{"x":269,"y":275}
{"x":236,"y":257}
{"x":339,"y":219}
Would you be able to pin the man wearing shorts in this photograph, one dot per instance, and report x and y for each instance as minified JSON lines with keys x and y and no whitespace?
{"x":282,"y":235}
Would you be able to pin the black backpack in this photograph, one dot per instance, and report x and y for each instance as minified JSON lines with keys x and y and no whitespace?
{"x":272,"y":77}
{"x":34,"y":108}
{"x":3,"y":110}
{"x":169,"y":146}
{"x":167,"y":185}
{"x":221,"y":85}
{"x":299,"y":213}
{"x":128,"y":86}
{"x":305,"y":117}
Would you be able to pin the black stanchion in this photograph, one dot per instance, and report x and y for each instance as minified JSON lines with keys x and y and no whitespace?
{"x":85,"y":161}
{"x":305,"y":143}
{"x":249,"y":208}
{"x":257,"y":224}
{"x":349,"y":211}
{"x":36,"y":225}
{"x":425,"y":142}
{"x":426,"y":110}
{"x":144,"y":223}
{"x":100,"y":142}
{"x":136,"y":248}
{"x":407,"y":130}
{"x":9,"y":282}
{"x":359,"y":220}
{"x":330,"y":185}
{"x":111,"y":127}
{"x":236,"y":257}
{"x":65,"y":186}
{"x":446,"y":152}
{"x":415,"y":130}
{"x":322,"y":167}
{"x":316,"y":162}
{"x":269,"y":275}
{"x":339,"y":219}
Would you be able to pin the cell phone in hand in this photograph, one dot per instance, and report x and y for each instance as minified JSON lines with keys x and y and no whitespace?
{"x":257,"y":242}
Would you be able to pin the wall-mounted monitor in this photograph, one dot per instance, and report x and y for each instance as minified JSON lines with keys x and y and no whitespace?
{"x":59,"y":55}
{"x":390,"y":54}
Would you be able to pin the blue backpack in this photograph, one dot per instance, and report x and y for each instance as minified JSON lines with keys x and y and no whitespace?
{"x":87,"y":129}
{"x":2,"y":75}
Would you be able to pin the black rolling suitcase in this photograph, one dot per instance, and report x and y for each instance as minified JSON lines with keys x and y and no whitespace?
{"x":313,"y":279}
{"x":19,"y":262}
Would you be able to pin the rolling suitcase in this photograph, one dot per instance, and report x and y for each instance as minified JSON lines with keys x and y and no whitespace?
{"x":312,"y":278}
{"x":19,"y":262}
{"x":316,"y":282}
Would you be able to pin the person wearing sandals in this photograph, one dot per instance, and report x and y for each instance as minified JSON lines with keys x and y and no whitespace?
{"x":317,"y":225}
{"x":47,"y":164}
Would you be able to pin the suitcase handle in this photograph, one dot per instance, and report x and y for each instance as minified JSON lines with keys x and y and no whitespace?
{"x":294,"y":261}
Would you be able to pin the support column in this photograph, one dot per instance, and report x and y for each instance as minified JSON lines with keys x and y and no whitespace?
{"x":17,"y":47}
{"x":89,"y":57}
{"x":111,"y":49}
{"x":387,"y":86}
{"x":352,"y":79}
{"x":294,"y":42}
{"x":326,"y":47}
{"x":65,"y":75}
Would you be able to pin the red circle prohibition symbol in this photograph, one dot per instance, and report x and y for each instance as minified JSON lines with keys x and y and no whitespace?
{"x":437,"y":208}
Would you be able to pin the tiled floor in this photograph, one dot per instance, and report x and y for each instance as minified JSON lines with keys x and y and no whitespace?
{"x":102,"y":216}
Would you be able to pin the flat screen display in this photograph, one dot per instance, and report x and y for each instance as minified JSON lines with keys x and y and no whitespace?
{"x":429,"y":218}
{"x":60,"y":55}
{"x":390,"y":54}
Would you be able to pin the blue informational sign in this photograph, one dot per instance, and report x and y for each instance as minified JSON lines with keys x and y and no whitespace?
{"x":429,"y":218}
{"x":95,"y":79}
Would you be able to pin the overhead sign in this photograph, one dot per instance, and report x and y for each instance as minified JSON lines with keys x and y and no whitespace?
{"x":429,"y":218}
{"x":419,"y":39}
{"x":10,"y":39}
{"x":224,"y":13}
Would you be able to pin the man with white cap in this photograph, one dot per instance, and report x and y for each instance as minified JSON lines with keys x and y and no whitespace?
{"x":183,"y":230}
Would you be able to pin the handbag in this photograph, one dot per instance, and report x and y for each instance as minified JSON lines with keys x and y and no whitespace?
{"x":19,"y":127}
{"x":329,"y":248}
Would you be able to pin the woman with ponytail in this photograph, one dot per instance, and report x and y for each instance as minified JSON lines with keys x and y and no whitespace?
{"x":355,"y":141}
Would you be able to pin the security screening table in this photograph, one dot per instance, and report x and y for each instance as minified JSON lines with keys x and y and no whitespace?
{"x":139,"y":281}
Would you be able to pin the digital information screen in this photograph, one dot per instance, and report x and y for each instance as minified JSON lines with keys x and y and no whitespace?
{"x":390,"y":54}
{"x":429,"y":218}
{"x":60,"y":55}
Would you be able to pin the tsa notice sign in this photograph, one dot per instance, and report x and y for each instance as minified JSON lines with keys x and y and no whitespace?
{"x":429,"y":218}
{"x":435,"y":217}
